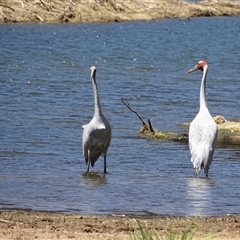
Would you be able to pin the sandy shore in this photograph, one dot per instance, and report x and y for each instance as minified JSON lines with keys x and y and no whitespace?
{"x":75,"y":11}
{"x":17,"y":225}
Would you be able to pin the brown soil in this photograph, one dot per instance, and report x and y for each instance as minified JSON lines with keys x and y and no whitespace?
{"x":17,"y":225}
{"x":111,"y":10}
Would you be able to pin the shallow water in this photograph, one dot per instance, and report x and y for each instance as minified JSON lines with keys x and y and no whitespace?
{"x":46,"y":96}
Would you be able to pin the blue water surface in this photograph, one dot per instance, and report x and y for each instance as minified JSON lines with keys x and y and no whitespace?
{"x":46,"y":96}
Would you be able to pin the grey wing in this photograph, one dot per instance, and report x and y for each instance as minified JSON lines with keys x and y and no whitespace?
{"x":96,"y":141}
{"x":85,"y":141}
{"x":195,"y":137}
{"x":213,"y":141}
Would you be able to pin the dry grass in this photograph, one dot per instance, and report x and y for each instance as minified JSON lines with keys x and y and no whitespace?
{"x":228,"y":132}
{"x":110,"y":10}
{"x":224,"y":126}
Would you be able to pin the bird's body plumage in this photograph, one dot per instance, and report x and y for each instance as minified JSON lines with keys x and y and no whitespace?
{"x":97,"y":133}
{"x":202,"y":140}
{"x":203,"y":129}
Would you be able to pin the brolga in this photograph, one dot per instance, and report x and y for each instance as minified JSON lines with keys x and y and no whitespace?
{"x":97,"y":133}
{"x":203,"y":129}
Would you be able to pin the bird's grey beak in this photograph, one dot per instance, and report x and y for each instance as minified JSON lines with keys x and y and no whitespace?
{"x":192,"y":70}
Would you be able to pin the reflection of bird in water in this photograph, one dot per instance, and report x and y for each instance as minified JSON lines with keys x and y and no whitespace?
{"x":199,"y":195}
{"x":97,"y":133}
{"x":94,"y":178}
{"x":203,"y":130}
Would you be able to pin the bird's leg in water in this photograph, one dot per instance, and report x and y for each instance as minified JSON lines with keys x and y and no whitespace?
{"x":89,"y":160}
{"x":88,"y":166}
{"x":105,"y":164}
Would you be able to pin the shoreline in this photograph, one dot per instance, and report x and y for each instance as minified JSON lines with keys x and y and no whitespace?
{"x":25,"y":224}
{"x":103,"y":11}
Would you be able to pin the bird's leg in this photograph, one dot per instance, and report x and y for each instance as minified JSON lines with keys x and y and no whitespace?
{"x":105,"y":164}
{"x":89,"y":160}
{"x":88,"y":166}
{"x":206,"y":171}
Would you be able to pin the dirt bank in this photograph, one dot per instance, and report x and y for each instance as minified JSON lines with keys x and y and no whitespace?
{"x":17,"y":225}
{"x":74,"y":11}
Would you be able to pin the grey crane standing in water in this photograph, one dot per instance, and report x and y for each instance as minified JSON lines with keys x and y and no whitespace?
{"x":203,"y":129}
{"x":97,"y":133}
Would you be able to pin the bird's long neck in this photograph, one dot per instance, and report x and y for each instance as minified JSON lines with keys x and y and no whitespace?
{"x":203,"y":102}
{"x":97,"y":107}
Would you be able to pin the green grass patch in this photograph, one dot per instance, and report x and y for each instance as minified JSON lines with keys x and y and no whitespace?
{"x":146,"y":233}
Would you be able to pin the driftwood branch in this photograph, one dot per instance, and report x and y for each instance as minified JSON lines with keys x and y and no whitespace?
{"x":2,"y":5}
{"x":5,"y":221}
{"x":126,"y":103}
{"x":149,"y":125}
{"x":45,"y":5}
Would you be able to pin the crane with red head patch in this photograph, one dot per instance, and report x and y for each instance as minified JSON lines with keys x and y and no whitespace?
{"x":200,"y":65}
{"x":203,"y":130}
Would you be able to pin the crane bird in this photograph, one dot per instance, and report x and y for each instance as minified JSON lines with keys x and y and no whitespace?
{"x":203,"y":129}
{"x":97,"y":133}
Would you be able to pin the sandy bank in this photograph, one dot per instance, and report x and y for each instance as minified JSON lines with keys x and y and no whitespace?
{"x":45,"y":225}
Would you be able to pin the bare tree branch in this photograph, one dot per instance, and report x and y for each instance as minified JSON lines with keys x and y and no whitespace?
{"x":150,"y":126}
{"x":126,"y":103}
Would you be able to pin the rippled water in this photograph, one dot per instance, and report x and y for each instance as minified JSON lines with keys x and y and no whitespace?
{"x":46,"y":96}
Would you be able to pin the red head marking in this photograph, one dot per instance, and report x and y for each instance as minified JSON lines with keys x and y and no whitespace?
{"x":201,"y":64}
